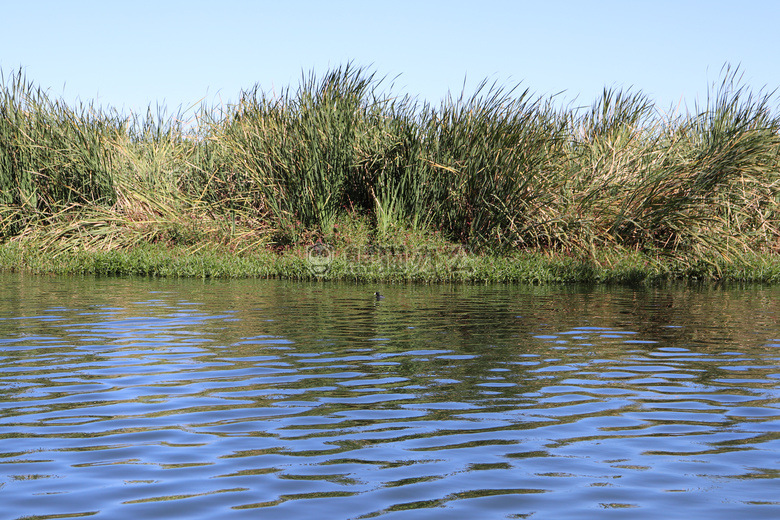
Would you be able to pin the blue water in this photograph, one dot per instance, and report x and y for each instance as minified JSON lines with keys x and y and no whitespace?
{"x":138,"y":398}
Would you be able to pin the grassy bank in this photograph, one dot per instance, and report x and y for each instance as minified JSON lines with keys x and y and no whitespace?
{"x":154,"y":260}
{"x":339,"y":179}
{"x":357,"y":253}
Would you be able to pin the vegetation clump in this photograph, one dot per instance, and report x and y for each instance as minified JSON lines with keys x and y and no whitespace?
{"x":496,"y":186}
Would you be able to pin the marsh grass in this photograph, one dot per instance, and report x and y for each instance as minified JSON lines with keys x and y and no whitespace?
{"x":51,"y":155}
{"x":341,"y":160}
{"x":294,"y":154}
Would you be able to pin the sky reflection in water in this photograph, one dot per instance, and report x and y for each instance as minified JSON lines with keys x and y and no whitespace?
{"x":191,"y":399}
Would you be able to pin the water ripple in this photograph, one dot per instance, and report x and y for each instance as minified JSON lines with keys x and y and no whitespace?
{"x":190,"y":400}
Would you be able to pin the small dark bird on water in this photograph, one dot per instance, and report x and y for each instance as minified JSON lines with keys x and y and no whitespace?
{"x":378,"y":296}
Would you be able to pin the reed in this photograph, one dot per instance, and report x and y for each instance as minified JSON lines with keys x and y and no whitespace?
{"x":498,"y":171}
{"x":293,"y":155}
{"x":51,"y":155}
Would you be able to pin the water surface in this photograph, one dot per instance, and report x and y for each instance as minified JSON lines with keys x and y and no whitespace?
{"x":133,"y":398}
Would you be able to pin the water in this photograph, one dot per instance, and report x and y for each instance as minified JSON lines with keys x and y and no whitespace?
{"x":263,"y":399}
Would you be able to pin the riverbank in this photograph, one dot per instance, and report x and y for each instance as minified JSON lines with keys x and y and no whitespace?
{"x":423,"y":264}
{"x":341,"y":180}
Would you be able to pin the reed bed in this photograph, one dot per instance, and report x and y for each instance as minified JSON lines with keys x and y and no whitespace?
{"x":498,"y":171}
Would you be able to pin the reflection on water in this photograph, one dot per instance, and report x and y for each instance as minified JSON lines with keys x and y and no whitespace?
{"x":193,"y":399}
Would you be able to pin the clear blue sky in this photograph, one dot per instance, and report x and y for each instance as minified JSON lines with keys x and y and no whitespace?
{"x":130,"y":54}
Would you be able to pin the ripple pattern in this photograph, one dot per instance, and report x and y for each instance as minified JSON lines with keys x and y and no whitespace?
{"x":186,"y":401}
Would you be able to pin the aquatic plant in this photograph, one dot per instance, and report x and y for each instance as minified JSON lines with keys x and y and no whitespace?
{"x":498,"y":171}
{"x":297,"y":151}
{"x":51,"y":155}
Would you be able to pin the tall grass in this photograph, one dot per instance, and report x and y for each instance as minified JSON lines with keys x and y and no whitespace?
{"x":51,"y":155}
{"x":294,"y":154}
{"x":495,"y":155}
{"x":498,"y":170}
{"x":693,"y":184}
{"x":87,"y":178}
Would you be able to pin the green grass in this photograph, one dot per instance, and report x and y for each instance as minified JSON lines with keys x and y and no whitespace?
{"x":494,"y":186}
{"x":357,"y":252}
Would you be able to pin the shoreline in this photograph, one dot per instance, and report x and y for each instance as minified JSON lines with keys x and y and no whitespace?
{"x":340,"y":180}
{"x":424,"y":265}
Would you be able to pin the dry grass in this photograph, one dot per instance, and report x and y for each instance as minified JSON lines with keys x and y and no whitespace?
{"x":499,"y":170}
